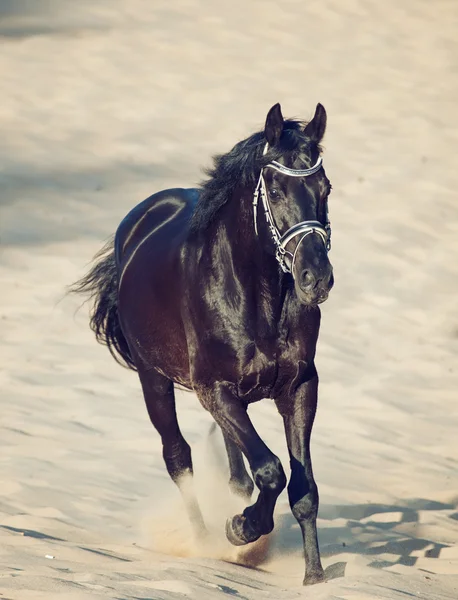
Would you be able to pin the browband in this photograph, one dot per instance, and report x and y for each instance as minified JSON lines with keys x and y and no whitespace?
{"x":295,"y":172}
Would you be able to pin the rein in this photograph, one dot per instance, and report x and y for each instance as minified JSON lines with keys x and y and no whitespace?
{"x":304,"y":228}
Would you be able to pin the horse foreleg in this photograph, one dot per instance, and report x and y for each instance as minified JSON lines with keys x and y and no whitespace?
{"x":231,"y":415}
{"x":160,"y":403}
{"x":298,"y":414}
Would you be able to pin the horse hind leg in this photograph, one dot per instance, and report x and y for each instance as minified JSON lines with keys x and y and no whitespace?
{"x":159,"y":397}
{"x":240,"y":483}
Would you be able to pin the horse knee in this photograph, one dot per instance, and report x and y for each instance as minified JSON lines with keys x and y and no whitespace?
{"x":306,"y":507}
{"x":270,"y":476}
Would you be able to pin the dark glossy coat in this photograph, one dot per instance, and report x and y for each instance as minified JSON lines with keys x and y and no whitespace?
{"x":189,"y":294}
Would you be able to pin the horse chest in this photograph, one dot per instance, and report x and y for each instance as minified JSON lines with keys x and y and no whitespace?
{"x":267,"y":370}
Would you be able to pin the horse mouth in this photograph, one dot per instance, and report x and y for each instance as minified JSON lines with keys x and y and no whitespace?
{"x":312,"y":299}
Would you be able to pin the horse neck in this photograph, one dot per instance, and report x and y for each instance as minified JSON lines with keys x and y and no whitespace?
{"x":254,"y":271}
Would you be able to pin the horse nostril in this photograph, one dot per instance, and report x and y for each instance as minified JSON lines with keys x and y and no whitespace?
{"x":307,"y":280}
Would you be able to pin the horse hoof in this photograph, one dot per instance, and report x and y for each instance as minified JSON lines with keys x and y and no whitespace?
{"x":312,"y":578}
{"x":235,"y":533}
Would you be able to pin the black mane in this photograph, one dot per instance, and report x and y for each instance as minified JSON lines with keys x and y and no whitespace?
{"x":241,"y":167}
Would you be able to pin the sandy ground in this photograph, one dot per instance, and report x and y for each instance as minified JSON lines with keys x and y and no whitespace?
{"x":105,"y":102}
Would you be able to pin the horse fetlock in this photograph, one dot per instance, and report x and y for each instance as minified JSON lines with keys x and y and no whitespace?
{"x":270,"y":476}
{"x":177,"y":458}
{"x":241,"y":487}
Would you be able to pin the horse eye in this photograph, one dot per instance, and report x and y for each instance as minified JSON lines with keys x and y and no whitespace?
{"x":274,"y":193}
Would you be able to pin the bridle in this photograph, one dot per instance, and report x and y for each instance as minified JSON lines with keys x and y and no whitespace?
{"x":304,"y":228}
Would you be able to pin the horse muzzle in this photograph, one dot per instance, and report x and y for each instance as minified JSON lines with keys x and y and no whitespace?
{"x":313,"y":287}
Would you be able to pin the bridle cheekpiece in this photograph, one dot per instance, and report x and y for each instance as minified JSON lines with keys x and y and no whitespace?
{"x":304,"y":228}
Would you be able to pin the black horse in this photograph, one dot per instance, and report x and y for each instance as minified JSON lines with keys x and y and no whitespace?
{"x":217,"y":289}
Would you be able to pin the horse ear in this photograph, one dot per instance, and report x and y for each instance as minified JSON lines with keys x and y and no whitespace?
{"x":317,"y":126}
{"x":274,"y":125}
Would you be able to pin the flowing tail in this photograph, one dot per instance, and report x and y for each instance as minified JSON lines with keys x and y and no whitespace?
{"x":101,"y":285}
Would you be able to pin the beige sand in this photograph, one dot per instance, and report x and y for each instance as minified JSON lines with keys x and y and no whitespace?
{"x":105,"y":102}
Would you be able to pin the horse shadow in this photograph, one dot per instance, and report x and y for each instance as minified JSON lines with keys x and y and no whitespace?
{"x":374,"y":530}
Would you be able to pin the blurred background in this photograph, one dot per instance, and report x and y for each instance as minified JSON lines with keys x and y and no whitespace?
{"x":105,"y":102}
